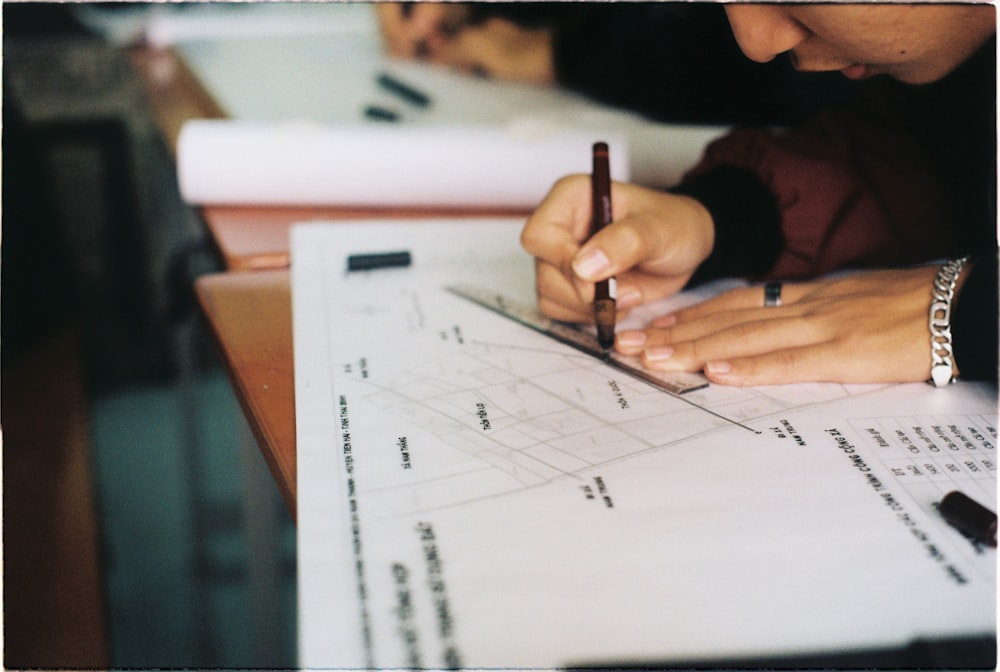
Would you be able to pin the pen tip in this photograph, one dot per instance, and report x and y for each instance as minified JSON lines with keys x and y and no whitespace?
{"x":605,"y":336}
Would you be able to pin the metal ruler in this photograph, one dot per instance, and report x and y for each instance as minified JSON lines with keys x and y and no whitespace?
{"x":527,"y":314}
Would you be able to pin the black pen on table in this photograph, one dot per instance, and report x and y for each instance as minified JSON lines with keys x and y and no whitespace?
{"x":600,"y":216}
{"x":969,"y":517}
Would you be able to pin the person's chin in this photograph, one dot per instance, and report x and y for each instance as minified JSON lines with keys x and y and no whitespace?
{"x":857,"y":71}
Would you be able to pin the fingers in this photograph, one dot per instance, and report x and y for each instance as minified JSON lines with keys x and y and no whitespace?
{"x":687,"y":347}
{"x":735,"y":299}
{"x":891,"y":355}
{"x":874,"y":336}
{"x":444,"y":33}
{"x":564,"y":212}
{"x":418,"y":29}
{"x":867,"y":328}
{"x":554,"y":230}
{"x":779,"y":351}
{"x":500,"y":49}
{"x":559,"y":298}
{"x":814,"y":363}
{"x":652,"y":231}
{"x":552,"y":235}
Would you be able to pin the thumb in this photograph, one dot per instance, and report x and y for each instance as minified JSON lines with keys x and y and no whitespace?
{"x":660,"y":233}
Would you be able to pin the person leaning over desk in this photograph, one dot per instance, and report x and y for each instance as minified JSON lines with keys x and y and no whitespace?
{"x":670,"y":61}
{"x":905,"y":174}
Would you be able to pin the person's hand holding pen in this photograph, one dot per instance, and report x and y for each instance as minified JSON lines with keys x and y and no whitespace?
{"x":868,"y":327}
{"x":450,"y":34}
{"x":648,"y":258}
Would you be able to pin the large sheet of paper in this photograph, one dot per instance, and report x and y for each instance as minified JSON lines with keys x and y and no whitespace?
{"x":473,"y":493}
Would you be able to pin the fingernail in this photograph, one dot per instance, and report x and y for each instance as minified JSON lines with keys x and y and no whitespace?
{"x":629,"y":299}
{"x":665,"y":321}
{"x":658,"y":353}
{"x":718,"y":367}
{"x":631,"y":339}
{"x":591,"y":264}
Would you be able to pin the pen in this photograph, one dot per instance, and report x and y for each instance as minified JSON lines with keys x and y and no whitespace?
{"x":376,"y":113}
{"x":600,"y":216}
{"x":403,"y":90}
{"x":969,"y":517}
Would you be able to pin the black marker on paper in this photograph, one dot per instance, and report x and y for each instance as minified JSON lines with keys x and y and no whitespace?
{"x":368,"y":262}
{"x":377,"y":113}
{"x":969,"y":517}
{"x":404,"y":91}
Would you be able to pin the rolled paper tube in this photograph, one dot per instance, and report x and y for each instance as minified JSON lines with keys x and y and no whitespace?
{"x":257,"y":163}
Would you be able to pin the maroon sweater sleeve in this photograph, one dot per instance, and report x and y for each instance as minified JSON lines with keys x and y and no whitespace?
{"x":847,"y":190}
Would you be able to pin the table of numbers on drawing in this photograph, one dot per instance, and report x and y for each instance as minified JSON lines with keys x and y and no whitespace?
{"x":930,"y":456}
{"x":929,"y":452}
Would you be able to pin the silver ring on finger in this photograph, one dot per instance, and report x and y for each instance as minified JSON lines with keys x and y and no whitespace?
{"x":772,"y":294}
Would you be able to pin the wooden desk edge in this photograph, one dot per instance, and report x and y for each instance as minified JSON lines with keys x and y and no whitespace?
{"x":207,"y":289}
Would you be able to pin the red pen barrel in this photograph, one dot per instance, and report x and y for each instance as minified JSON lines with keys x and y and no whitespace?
{"x":600,"y":216}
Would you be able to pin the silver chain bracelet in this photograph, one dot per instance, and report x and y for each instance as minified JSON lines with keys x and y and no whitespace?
{"x":942,"y":366}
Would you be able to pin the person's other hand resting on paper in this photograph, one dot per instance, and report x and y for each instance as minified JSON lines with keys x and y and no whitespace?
{"x":906,"y":176}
